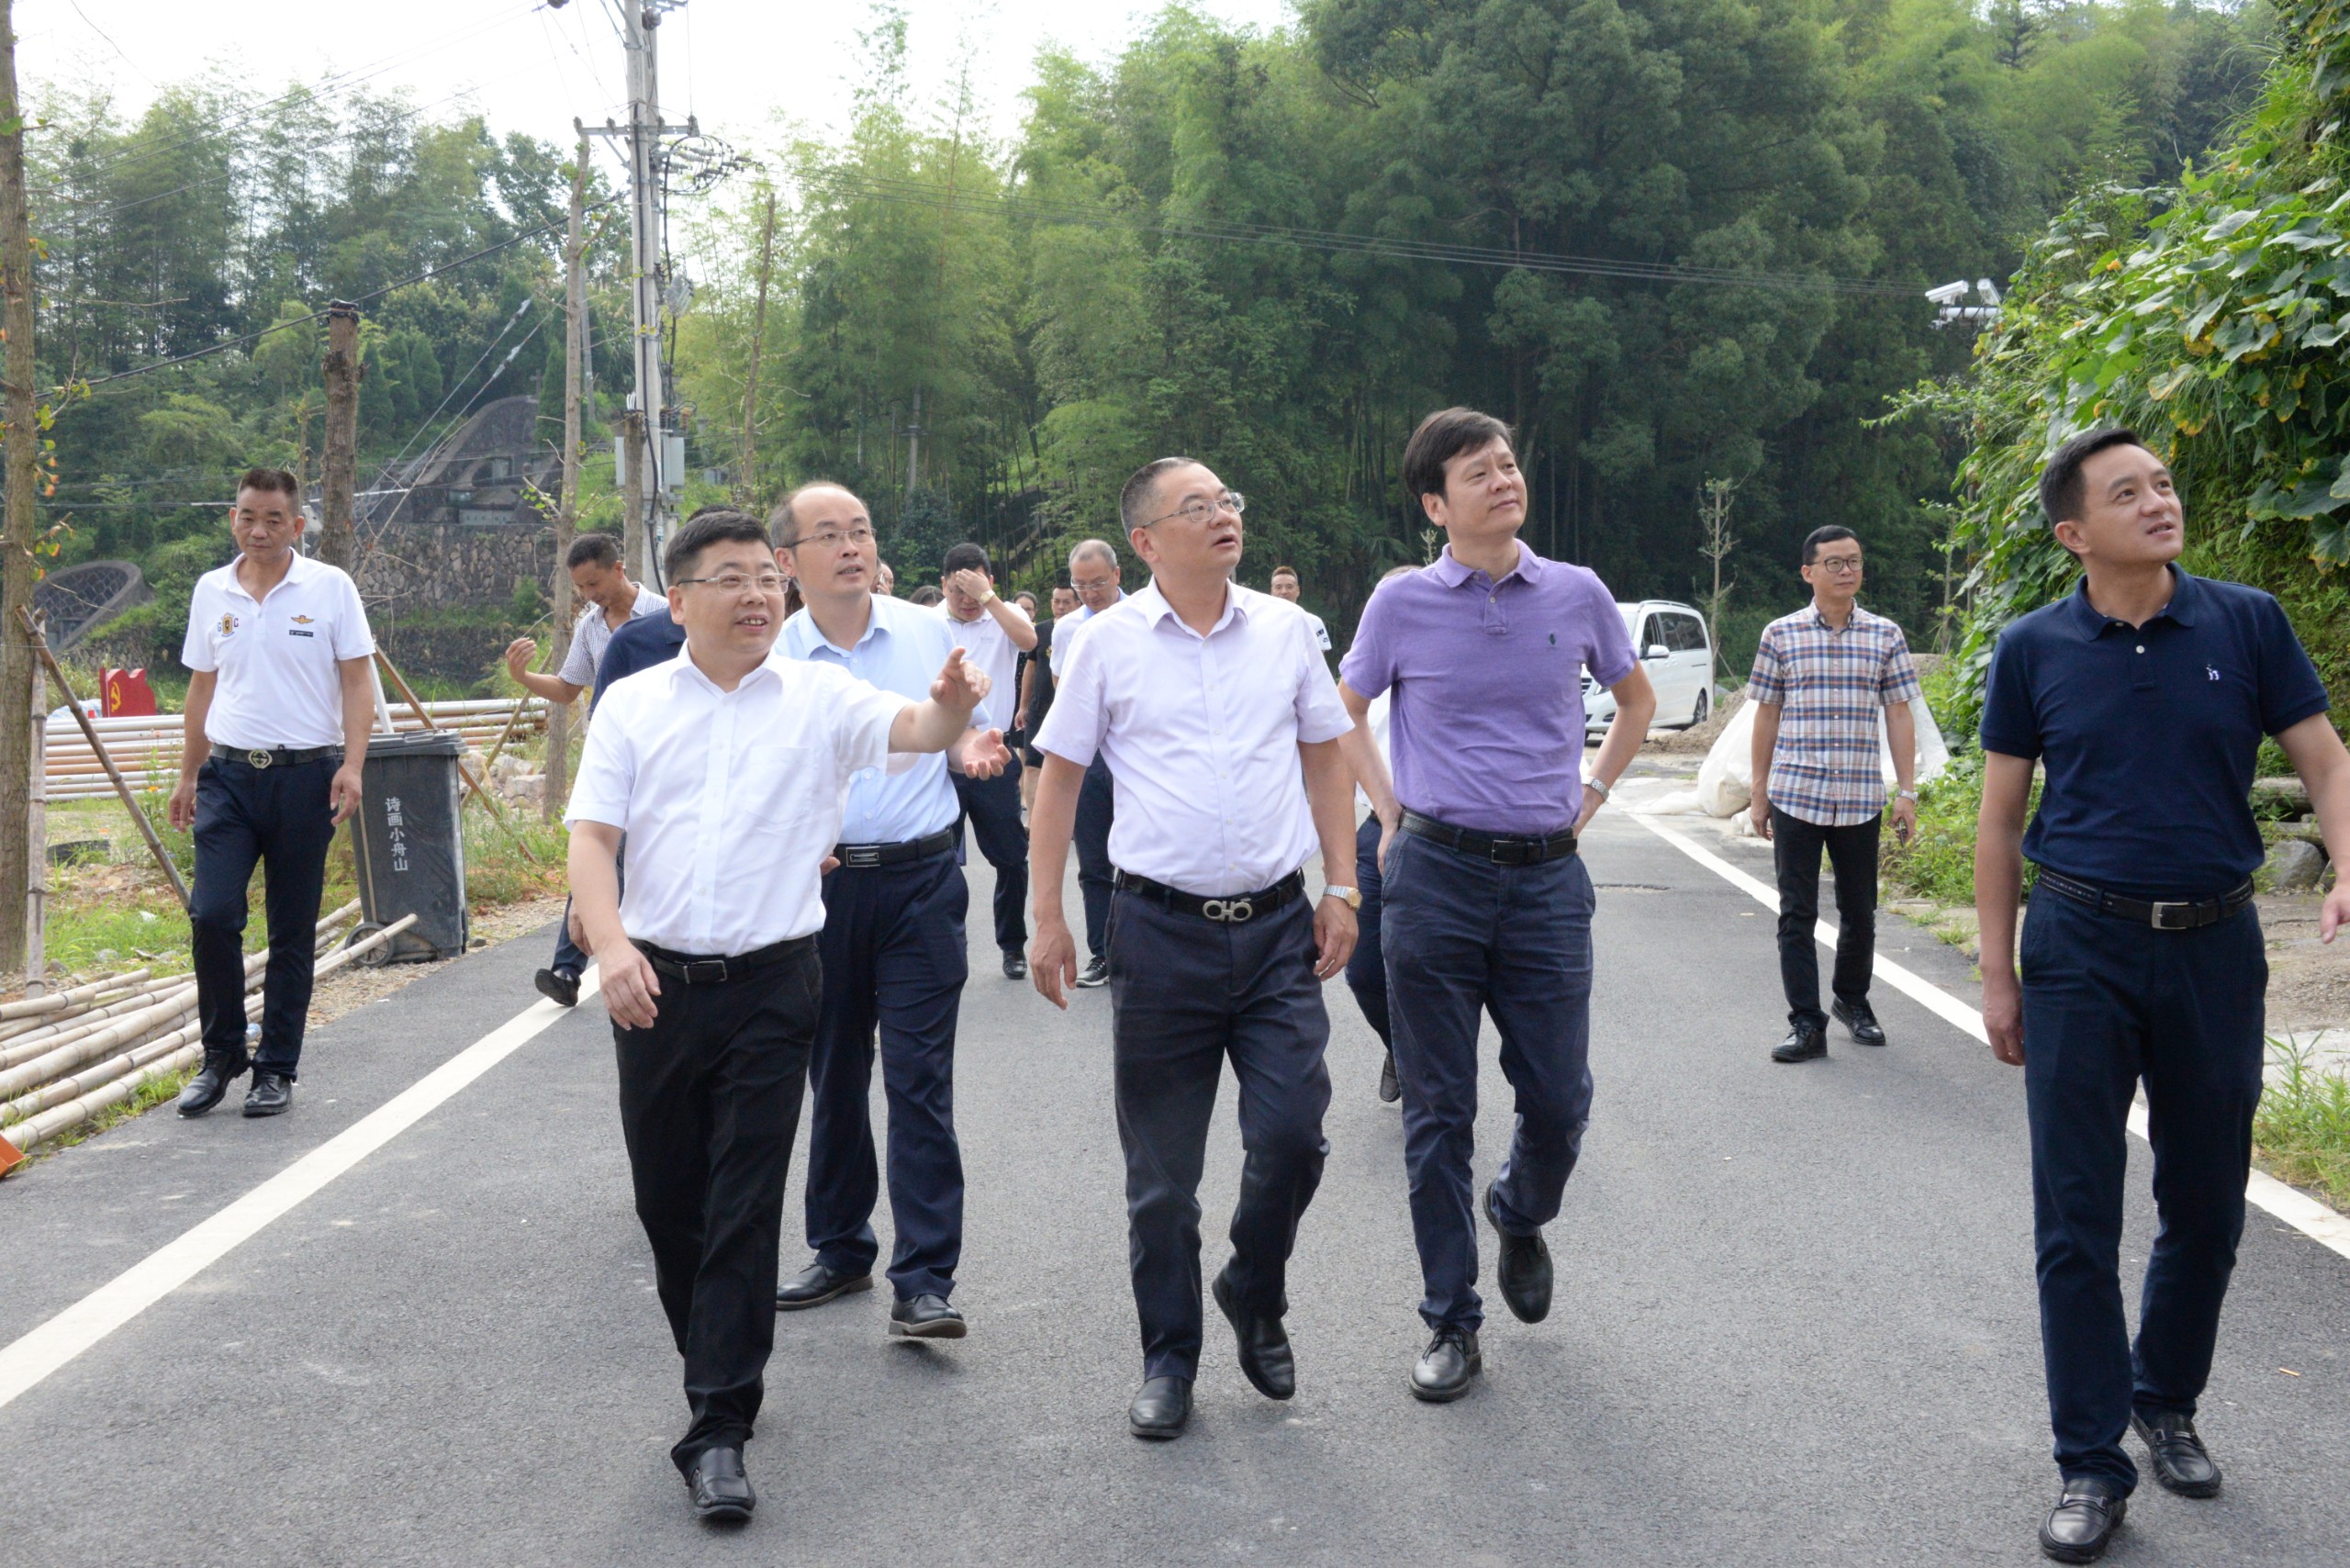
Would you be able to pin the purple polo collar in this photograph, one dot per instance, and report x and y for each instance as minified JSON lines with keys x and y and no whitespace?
{"x":1453,"y":574}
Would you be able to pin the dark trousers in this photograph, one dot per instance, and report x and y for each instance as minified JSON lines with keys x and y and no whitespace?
{"x":895,"y":961}
{"x":1186,"y":992}
{"x":568,"y":958}
{"x":992,"y":808}
{"x":1096,"y":877}
{"x":1852,"y":853}
{"x":1461,"y":935}
{"x":709,"y":1100}
{"x":1367,"y":970}
{"x":2106,"y":1005}
{"x":283,"y":818}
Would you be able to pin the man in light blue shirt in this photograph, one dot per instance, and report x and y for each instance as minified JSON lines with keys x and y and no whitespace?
{"x":892,"y":947}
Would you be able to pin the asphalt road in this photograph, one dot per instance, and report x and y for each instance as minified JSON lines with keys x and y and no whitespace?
{"x":1794,"y":1319}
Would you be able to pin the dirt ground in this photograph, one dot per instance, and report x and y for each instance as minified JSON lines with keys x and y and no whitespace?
{"x":354,"y":987}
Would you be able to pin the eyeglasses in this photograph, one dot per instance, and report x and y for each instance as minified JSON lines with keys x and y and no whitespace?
{"x":735,"y":582}
{"x":833,"y":538}
{"x":1840,"y":565}
{"x":1105,"y":586}
{"x":1199,"y":511}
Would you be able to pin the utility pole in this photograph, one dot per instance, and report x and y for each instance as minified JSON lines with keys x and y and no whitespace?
{"x":339,"y":468}
{"x":634,"y":547}
{"x":22,"y":442}
{"x":566,"y":515}
{"x":746,"y":489}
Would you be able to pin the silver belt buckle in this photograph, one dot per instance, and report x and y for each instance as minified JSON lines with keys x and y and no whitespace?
{"x":2160,"y":921}
{"x":258,"y":758}
{"x":1232,"y":912}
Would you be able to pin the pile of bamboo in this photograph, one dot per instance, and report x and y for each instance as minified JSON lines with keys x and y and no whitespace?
{"x":147,"y":749}
{"x":66,"y":1057}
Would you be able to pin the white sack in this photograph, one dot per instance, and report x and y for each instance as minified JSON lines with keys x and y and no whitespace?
{"x":1725,"y":781}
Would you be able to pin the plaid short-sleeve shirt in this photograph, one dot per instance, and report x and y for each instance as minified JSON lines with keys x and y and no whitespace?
{"x":1832,"y":687}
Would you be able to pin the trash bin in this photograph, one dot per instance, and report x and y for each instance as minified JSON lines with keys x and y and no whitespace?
{"x":408,"y":848}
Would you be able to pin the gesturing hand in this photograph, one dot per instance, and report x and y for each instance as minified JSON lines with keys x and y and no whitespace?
{"x":961,"y":686}
{"x":984,"y":754}
{"x":518,"y":654}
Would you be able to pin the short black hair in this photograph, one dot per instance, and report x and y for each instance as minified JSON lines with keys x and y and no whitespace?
{"x":272,"y":479}
{"x":2061,"y":489}
{"x":926,"y":596}
{"x":1820,"y":536}
{"x":966,"y":557}
{"x":717,"y":525}
{"x":592,"y":550}
{"x":783,"y":520}
{"x":1141,"y":485}
{"x":1443,"y":436}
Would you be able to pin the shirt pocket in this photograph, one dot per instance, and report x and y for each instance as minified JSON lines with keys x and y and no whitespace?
{"x":778,"y":789}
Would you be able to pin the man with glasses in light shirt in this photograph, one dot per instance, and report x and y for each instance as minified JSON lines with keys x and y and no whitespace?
{"x":1822,"y":679}
{"x":726,"y":768}
{"x":1222,"y":725}
{"x":1093,"y":574}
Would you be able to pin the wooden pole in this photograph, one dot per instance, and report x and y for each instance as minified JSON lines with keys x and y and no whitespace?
{"x":39,"y":645}
{"x":339,"y":469}
{"x":22,"y":442}
{"x":633,"y":479}
{"x":746,"y":480}
{"x":36,"y":852}
{"x":552,"y":793}
{"x":400,"y":684}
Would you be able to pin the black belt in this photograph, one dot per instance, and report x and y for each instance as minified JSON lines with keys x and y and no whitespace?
{"x":1501,"y":848}
{"x":693,"y":970}
{"x":1230,"y":911}
{"x":862,"y":857}
{"x":2185,"y":914}
{"x":279,"y":758}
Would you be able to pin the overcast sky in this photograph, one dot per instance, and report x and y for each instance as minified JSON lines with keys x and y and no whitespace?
{"x":528,"y":67}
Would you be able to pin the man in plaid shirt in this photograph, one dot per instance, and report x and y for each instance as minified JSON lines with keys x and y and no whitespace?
{"x":1821,"y":676}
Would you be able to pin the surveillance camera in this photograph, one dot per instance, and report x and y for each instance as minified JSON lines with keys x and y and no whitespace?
{"x":1948,"y":294}
{"x":1986,"y":291}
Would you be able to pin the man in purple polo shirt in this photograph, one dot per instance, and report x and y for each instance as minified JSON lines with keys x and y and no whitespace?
{"x":1487,"y":904}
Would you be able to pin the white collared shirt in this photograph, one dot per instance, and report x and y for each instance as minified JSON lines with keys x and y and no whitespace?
{"x":276,"y":657}
{"x":986,"y":643}
{"x":901,"y":650}
{"x":1202,"y":736}
{"x":731,"y":799}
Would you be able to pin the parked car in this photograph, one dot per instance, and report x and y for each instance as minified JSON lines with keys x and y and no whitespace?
{"x":1671,"y":641}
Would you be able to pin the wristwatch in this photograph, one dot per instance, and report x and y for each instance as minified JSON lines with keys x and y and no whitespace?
{"x":1905,"y":794}
{"x":1598,"y":789}
{"x":1353,"y":896}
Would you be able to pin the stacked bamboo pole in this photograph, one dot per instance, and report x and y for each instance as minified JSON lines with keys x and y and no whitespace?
{"x":104,"y":1040}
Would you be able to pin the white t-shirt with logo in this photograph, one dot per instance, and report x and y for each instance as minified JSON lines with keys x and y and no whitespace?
{"x":276,"y":658}
{"x":986,"y":643}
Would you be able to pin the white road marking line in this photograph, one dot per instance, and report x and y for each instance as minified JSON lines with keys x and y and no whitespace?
{"x":2297,"y":1209}
{"x":25,"y":1364}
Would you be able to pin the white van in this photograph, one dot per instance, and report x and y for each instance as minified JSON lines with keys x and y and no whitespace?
{"x":1671,"y":642}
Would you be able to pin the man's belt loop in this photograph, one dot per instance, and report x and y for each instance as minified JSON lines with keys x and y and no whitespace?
{"x":1500,"y":848}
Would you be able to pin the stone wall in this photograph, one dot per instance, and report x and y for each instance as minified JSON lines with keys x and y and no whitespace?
{"x":420,"y":567}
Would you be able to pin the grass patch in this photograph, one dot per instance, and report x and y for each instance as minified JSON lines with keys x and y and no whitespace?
{"x":1938,"y":862}
{"x":2302,"y":1132}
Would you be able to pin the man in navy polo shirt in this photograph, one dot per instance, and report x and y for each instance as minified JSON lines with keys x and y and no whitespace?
{"x":2144,"y":696}
{"x":1487,"y":905}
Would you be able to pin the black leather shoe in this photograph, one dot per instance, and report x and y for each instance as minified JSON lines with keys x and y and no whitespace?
{"x":1441,"y":1374}
{"x":1266,"y":1359}
{"x":1161,"y":1406}
{"x":1097,"y":972}
{"x":208,"y":1087}
{"x":271,"y":1095}
{"x":558,"y":985}
{"x":1522,"y":1270}
{"x":1391,"y":1088}
{"x":721,"y":1493}
{"x":926,"y":1317}
{"x":2081,"y":1526}
{"x":815,"y":1284}
{"x":2182,"y":1464}
{"x":1857,"y":1018}
{"x":1802,"y":1044}
{"x":1015,"y":966}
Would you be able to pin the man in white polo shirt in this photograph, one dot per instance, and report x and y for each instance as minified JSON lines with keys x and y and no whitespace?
{"x":280,"y":699}
{"x":1222,"y":725}
{"x":994,"y":633}
{"x":726,"y":768}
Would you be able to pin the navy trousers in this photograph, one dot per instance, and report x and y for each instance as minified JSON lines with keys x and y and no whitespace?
{"x":709,"y":1100}
{"x":992,"y":808}
{"x":2108,"y":1004}
{"x":895,"y":959}
{"x":1186,"y":992}
{"x":282,"y":818}
{"x":1852,"y":853}
{"x":1461,"y":934}
{"x":1367,"y":970}
{"x":1096,"y":877}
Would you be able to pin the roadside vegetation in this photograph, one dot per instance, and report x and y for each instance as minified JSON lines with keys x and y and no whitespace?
{"x":2301,"y":1133}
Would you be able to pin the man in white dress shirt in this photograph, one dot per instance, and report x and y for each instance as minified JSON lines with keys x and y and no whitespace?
{"x":994,"y":633}
{"x":1093,"y":574}
{"x":1222,"y":725}
{"x":726,"y":768}
{"x":894,"y":954}
{"x":280,"y":699}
